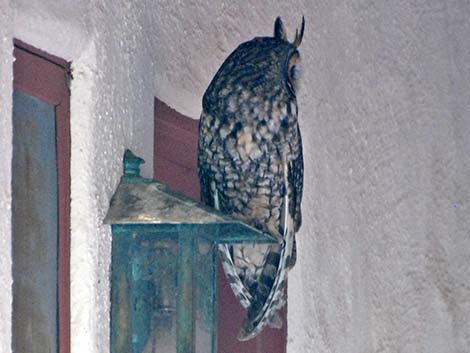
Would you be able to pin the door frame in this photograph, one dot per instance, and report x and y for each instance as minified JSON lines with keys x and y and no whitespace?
{"x":47,"y":77}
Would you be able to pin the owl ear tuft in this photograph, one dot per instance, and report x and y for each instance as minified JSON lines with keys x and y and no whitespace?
{"x":279,"y":30}
{"x":299,"y":36}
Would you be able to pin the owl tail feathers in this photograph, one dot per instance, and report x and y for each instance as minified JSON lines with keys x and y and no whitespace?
{"x":260,"y":316}
{"x":241,"y":292}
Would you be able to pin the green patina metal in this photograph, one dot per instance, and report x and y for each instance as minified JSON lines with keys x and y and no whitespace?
{"x":164,"y":266}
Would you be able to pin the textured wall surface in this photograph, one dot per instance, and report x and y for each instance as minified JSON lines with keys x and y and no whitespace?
{"x":384,"y":252}
{"x":111,"y":109}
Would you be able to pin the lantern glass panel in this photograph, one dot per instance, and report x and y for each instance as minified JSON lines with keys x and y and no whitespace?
{"x":205,"y":277}
{"x":164,"y":291}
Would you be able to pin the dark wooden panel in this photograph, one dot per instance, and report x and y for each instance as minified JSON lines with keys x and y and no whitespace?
{"x":177,"y":176}
{"x":175,"y":149}
{"x":176,"y":145}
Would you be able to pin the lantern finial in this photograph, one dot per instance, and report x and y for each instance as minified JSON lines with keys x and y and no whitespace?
{"x":131,"y":166}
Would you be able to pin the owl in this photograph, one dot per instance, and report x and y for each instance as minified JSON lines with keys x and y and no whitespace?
{"x":250,"y":166}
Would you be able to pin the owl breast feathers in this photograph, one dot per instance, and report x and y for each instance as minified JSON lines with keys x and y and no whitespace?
{"x":251,"y":166}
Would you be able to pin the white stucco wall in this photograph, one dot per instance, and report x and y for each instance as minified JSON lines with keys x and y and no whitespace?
{"x":384,"y":252}
{"x":111,"y":109}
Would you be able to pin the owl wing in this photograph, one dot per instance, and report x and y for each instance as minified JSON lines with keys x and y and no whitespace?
{"x":296,"y":183}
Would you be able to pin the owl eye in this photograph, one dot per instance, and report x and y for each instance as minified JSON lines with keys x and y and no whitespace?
{"x":293,"y":72}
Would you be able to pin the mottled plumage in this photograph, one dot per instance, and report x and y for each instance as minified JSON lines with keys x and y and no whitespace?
{"x":251,"y":166}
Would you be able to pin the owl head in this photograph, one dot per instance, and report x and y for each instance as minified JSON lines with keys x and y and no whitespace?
{"x":292,"y":67}
{"x":262,"y":67}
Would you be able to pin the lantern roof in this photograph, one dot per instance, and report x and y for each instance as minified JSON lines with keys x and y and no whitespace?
{"x":151,"y":207}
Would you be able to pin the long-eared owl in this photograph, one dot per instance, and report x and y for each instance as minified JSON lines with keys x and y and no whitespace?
{"x":251,"y":167}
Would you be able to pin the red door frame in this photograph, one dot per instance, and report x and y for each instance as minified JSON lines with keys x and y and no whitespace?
{"x":46,"y":76}
{"x":175,"y":164}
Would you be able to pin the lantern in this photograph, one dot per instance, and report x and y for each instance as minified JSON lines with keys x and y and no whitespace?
{"x":164,"y":266}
